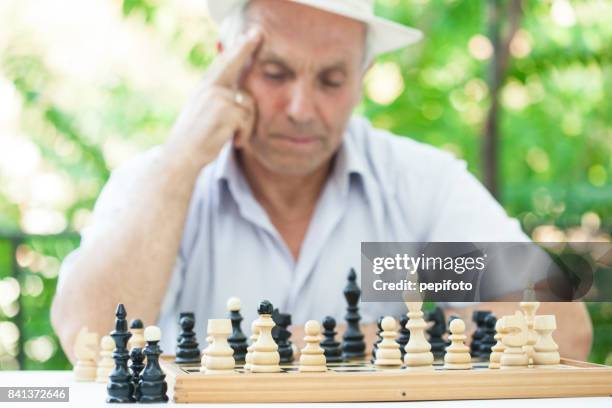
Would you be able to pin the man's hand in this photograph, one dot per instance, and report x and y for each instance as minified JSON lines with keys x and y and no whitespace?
{"x":219,"y":110}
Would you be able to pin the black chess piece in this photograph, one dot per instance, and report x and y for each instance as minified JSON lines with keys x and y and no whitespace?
{"x":353,"y":346}
{"x":281,"y":336}
{"x":152,"y":384}
{"x":187,"y":350}
{"x":404,"y":334}
{"x":333,"y":351}
{"x":436,"y":331}
{"x":120,"y":388}
{"x":488,"y":338}
{"x":137,"y":357}
{"x":379,"y":337}
{"x":237,"y":340}
{"x":136,"y":324}
{"x":478,"y":317}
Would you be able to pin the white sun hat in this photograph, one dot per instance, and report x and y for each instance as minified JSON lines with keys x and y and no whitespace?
{"x":385,"y":35}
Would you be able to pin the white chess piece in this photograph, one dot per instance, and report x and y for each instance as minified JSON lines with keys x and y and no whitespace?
{"x":546,"y":351}
{"x":209,"y":341}
{"x":137,"y":339}
{"x":106,"y":362}
{"x":248,"y":359}
{"x":498,"y":349}
{"x":265,"y":358}
{"x":418,"y":350}
{"x":388,"y":353}
{"x":312,"y":358}
{"x":457,"y":355}
{"x":219,"y":354}
{"x":514,"y":340}
{"x":86,"y":351}
{"x":529,"y":306}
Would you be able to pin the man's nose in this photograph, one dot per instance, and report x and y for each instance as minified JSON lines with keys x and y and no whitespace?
{"x":301,"y":108}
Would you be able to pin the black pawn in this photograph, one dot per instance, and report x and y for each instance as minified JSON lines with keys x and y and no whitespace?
{"x":353,"y":346}
{"x":237,"y":340}
{"x":333,"y":351}
{"x":120,"y":388}
{"x":137,"y":357}
{"x":404,"y":334}
{"x":187,"y":351}
{"x":436,"y":331}
{"x":152,"y":384}
{"x":488,"y":339}
{"x":478,"y":317}
{"x":136,"y":324}
{"x":379,"y":339}
{"x":281,"y":336}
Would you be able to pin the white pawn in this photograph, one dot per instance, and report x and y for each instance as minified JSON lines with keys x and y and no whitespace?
{"x":546,"y":351}
{"x":388,"y":353}
{"x":457,"y":355}
{"x":418,"y":350}
{"x":248,"y":359}
{"x":85,"y":350}
{"x":265,"y":358}
{"x":498,"y":349}
{"x":106,"y":362}
{"x":515,"y":339}
{"x":312,"y":358}
{"x":209,"y":341}
{"x":219,"y":355}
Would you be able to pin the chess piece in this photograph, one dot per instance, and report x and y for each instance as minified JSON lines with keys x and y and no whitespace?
{"x":219,"y":355}
{"x":120,"y":388}
{"x":450,"y":319}
{"x":436,"y":331}
{"x":137,"y":330}
{"x":514,"y":340}
{"x":418,"y":350}
{"x":498,"y":349}
{"x":404,"y":334}
{"x":137,"y":358}
{"x":529,"y":309}
{"x":546,"y":351}
{"x":237,"y":340}
{"x":106,"y":363}
{"x":379,"y":338}
{"x":478,"y":317}
{"x":248,"y":359}
{"x":457,"y":355}
{"x":209,"y":341}
{"x":331,"y":347}
{"x":187,"y":351}
{"x":488,"y":337}
{"x":312,"y":358}
{"x":388,"y":353}
{"x":353,"y":346}
{"x":152,"y":384}
{"x":86,"y":351}
{"x":285,"y":350}
{"x":265,"y":350}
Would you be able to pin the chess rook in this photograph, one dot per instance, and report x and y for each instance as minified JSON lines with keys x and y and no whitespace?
{"x":219,"y":354}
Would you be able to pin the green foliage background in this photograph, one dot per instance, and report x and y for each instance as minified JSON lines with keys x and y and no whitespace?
{"x":555,"y":148}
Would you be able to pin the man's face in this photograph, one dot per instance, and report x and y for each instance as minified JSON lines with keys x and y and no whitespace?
{"x":306,"y":80}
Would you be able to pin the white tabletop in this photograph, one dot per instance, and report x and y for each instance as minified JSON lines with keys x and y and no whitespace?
{"x":89,"y":394}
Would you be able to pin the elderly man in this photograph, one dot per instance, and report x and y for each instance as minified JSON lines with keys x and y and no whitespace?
{"x":266,"y":186}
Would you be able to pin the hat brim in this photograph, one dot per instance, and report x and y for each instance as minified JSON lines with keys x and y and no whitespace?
{"x":385,"y":35}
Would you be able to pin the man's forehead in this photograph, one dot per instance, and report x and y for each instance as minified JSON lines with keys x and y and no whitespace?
{"x":292,"y":28}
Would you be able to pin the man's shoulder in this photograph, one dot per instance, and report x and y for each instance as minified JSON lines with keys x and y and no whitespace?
{"x":389,"y":156}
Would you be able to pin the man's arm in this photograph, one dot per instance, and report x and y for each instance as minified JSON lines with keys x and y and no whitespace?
{"x":574,"y":333}
{"x":129,"y":260}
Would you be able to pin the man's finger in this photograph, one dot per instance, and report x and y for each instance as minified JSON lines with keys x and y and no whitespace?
{"x":232,"y":63}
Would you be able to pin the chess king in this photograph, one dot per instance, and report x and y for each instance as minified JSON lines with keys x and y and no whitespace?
{"x":267,"y":183}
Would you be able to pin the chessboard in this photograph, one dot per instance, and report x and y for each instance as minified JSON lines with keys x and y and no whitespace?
{"x":361,"y":381}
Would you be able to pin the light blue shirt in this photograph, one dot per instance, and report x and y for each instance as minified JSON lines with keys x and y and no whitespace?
{"x":382,"y":188}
